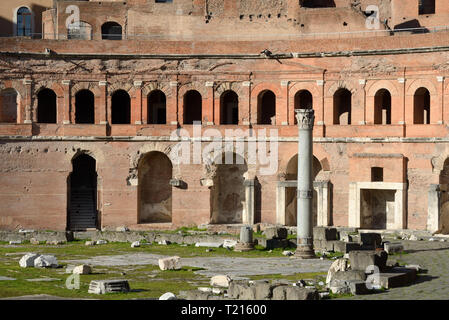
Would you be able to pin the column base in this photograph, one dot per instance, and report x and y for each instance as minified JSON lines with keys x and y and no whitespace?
{"x":242,"y":247}
{"x":305,"y":251}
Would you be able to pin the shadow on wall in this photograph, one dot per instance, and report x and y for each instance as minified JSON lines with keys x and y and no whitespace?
{"x":411,"y":24}
{"x":317,"y":3}
{"x":7,"y":25}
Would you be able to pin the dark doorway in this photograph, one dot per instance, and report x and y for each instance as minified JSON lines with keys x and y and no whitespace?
{"x":46,"y":106}
{"x":382,"y":107}
{"x":157,"y":107}
{"x":192,"y":107}
{"x":421,"y":108}
{"x":266,"y":110}
{"x":111,"y":31}
{"x":84,"y":107}
{"x":121,"y":107}
{"x":82,"y":198}
{"x":229,"y":108}
{"x":303,"y":100}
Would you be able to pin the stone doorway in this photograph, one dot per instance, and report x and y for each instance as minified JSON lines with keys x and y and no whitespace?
{"x":228,"y":193}
{"x":154,"y":190}
{"x":82,"y":195}
{"x":377,"y":208}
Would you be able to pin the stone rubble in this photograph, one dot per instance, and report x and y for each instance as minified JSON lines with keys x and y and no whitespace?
{"x":170,"y":263}
{"x":46,"y":261}
{"x":27,"y":260}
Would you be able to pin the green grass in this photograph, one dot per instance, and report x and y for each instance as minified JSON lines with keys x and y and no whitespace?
{"x":331,"y":255}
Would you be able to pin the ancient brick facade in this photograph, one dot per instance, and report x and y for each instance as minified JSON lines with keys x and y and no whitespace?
{"x":90,"y":120}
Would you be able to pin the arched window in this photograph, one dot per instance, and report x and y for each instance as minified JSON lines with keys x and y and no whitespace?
{"x":421,"y":108}
{"x":9,"y":101}
{"x":157,"y":107}
{"x":266,"y":107}
{"x":342,"y":106}
{"x":24,"y":22}
{"x":83,"y":31}
{"x":303,"y":100}
{"x":229,"y":108}
{"x":382,"y":107}
{"x":121,"y":107}
{"x":111,"y":31}
{"x":84,"y":107}
{"x":192,"y":107}
{"x":46,"y":106}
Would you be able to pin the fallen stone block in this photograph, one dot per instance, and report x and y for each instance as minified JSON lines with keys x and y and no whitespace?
{"x":198,"y":295}
{"x":345,"y":247}
{"x":391,"y":248}
{"x":325,"y":233}
{"x":220,"y":281}
{"x":358,"y":287}
{"x":371,"y":239}
{"x":264,"y":290}
{"x":391,"y":279}
{"x":279,"y":292}
{"x":90,"y":243}
{"x":297,"y":293}
{"x":46,"y":261}
{"x":101,"y":242}
{"x":339,"y":287}
{"x":170,"y":263}
{"x":82,"y":269}
{"x":287,"y":253}
{"x":229,"y":243}
{"x":337,"y":265}
{"x":122,"y":229}
{"x":416,"y":267}
{"x":168,"y":296}
{"x":349,"y":275}
{"x":275,"y":233}
{"x":108,"y":286}
{"x":34,"y":241}
{"x":209,"y":244}
{"x":27,"y":260}
{"x":164,"y":242}
{"x":15,"y":242}
{"x":135,"y":244}
{"x":55,"y":242}
{"x":362,"y":259}
{"x":270,"y":244}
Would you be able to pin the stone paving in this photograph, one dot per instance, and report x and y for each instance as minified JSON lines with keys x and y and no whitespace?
{"x":433,"y":285}
{"x":235,"y":267}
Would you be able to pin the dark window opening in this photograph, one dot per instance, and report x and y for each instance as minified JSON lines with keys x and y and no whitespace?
{"x":164,"y":1}
{"x":121,"y":107}
{"x":266,"y":111}
{"x":84,"y":107}
{"x":426,"y":6}
{"x":111,"y":31}
{"x":303,"y":100}
{"x":46,"y":106}
{"x":317,"y":3}
{"x":382,"y":107}
{"x":192,"y":107}
{"x":157,"y":108}
{"x":229,"y":108}
{"x":377,"y":174}
{"x":24,"y":22}
{"x":82,"y":31}
{"x":421,"y":108}
{"x":342,"y":107}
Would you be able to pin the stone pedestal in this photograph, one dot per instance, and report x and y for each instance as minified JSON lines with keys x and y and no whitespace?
{"x":246,"y":239}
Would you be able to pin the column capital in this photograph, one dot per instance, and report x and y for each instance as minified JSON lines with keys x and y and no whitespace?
{"x":305,"y":118}
{"x":27,"y":81}
{"x":320,"y":82}
{"x":66,"y":82}
{"x":362,"y":82}
{"x":209,"y":83}
{"x":102,"y":83}
{"x":440,"y":79}
{"x":173,"y":83}
{"x":284,"y":83}
{"x":246,"y":83}
{"x":401,"y":80}
{"x":138,"y":83}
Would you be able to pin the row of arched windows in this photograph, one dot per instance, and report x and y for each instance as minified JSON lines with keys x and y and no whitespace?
{"x":192,"y":103}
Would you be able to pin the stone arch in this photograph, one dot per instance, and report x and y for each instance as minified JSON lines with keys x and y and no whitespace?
{"x":312,"y":87}
{"x":418,"y":83}
{"x":197,"y":86}
{"x":340,"y":85}
{"x":154,"y":85}
{"x":125,"y":86}
{"x":226,"y":86}
{"x":374,"y":86}
{"x":91,"y":86}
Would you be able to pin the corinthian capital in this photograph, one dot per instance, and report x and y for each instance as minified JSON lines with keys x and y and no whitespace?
{"x":305,"y":118}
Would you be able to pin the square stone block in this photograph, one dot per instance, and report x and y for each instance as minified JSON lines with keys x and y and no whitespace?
{"x":325,"y":233}
{"x":361,"y":260}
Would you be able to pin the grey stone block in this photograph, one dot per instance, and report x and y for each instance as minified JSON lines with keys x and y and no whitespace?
{"x":297,"y":293}
{"x":273,"y":243}
{"x":276,"y":233}
{"x":324,"y":233}
{"x":345,"y":247}
{"x":393,"y":247}
{"x":280,"y":293}
{"x":371,"y":239}
{"x":350,"y":275}
{"x":264,"y":290}
{"x":358,"y":287}
{"x":360,"y":260}
{"x":395,"y":279}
